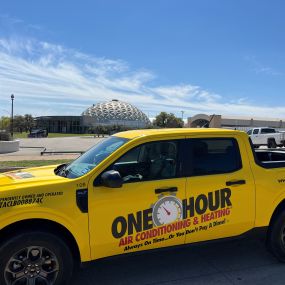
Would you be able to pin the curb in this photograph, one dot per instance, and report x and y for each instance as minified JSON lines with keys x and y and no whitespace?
{"x":6,"y":169}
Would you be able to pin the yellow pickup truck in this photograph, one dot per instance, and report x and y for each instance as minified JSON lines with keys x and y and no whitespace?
{"x":136,"y":191}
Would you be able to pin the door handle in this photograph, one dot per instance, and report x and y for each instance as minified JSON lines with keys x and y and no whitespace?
{"x":162,"y":190}
{"x":235,"y":182}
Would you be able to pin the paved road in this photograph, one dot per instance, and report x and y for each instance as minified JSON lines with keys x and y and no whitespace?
{"x":30,"y":149}
{"x":230,"y":262}
{"x":64,"y":143}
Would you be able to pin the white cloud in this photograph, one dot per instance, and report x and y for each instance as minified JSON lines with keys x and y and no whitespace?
{"x":8,"y":21}
{"x":49,"y":79}
{"x":260,"y":68}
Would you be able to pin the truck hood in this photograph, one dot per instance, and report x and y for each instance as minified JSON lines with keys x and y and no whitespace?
{"x":38,"y":175}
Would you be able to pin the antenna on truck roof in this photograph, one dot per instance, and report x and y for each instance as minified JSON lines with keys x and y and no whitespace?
{"x":205,"y":125}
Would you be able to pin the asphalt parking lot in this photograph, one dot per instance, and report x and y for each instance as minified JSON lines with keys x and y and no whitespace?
{"x":30,"y":149}
{"x":232,"y":262}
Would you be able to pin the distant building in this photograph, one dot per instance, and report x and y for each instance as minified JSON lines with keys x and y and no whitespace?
{"x":108,"y":114}
{"x":61,"y":124}
{"x":233,"y":122}
{"x":115,"y":112}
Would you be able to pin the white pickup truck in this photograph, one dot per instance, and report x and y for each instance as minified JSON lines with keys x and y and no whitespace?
{"x":266,"y":136}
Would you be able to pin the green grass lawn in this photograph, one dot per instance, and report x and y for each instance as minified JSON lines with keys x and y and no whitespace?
{"x":31,"y":163}
{"x":51,"y":135}
{"x":20,"y":135}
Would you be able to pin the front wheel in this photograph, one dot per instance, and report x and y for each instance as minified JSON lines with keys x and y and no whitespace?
{"x":35,"y":258}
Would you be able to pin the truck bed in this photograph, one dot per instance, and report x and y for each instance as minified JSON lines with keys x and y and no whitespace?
{"x":269,"y":158}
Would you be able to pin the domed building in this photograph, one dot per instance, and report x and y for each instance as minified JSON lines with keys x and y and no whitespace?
{"x":115,"y":112}
{"x":108,"y":114}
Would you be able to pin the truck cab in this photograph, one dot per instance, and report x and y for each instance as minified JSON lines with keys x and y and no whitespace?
{"x":135,"y":191}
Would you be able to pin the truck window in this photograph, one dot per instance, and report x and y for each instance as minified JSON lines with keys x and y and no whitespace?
{"x":150,"y":161}
{"x":267,"y":131}
{"x":130,"y":156}
{"x":255,"y":131}
{"x":215,"y":156}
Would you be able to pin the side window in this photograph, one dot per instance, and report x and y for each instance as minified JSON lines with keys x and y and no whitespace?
{"x":215,"y":156}
{"x":249,"y":132}
{"x":150,"y":161}
{"x":268,"y":131}
{"x":130,"y":156}
{"x":255,"y":131}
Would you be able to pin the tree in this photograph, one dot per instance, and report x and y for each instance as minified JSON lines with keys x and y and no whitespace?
{"x":168,"y":120}
{"x":29,"y":122}
{"x":19,"y":123}
{"x":23,"y":123}
{"x":4,"y":123}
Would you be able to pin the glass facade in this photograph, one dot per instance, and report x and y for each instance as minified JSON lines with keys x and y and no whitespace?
{"x":61,"y":124}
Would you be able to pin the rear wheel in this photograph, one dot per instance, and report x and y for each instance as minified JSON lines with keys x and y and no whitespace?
{"x":35,"y":258}
{"x":271,"y":143}
{"x":276,"y":237}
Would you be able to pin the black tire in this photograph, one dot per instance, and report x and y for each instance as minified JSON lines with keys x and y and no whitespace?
{"x":271,"y":143}
{"x":39,"y":255}
{"x":276,"y":237}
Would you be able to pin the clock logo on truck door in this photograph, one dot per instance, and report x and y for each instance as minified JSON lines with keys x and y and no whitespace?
{"x":166,"y":210}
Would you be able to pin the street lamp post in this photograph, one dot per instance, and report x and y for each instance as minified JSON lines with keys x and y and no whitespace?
{"x":12,"y":115}
{"x":182,"y":113}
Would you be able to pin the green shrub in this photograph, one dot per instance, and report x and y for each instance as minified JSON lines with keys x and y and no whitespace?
{"x":5,"y":136}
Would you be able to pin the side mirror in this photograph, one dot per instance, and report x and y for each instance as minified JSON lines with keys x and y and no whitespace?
{"x":112,"y":179}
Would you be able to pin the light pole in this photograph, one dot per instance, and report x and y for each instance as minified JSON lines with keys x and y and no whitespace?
{"x":182,"y":113}
{"x":12,"y":115}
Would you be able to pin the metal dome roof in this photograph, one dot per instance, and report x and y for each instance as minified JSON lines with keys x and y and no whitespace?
{"x":116,"y":110}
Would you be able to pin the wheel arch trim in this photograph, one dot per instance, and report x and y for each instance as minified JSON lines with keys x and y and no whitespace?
{"x":51,"y":224}
{"x":277,"y":210}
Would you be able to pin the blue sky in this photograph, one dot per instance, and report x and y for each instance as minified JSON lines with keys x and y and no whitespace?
{"x":208,"y":56}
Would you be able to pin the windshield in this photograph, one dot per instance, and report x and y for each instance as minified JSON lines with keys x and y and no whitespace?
{"x":86,"y":162}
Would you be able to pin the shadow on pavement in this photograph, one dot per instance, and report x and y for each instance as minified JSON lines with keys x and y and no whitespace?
{"x":230,"y":262}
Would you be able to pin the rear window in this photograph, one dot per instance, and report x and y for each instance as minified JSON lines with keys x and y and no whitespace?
{"x":267,"y":131}
{"x":215,"y":156}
